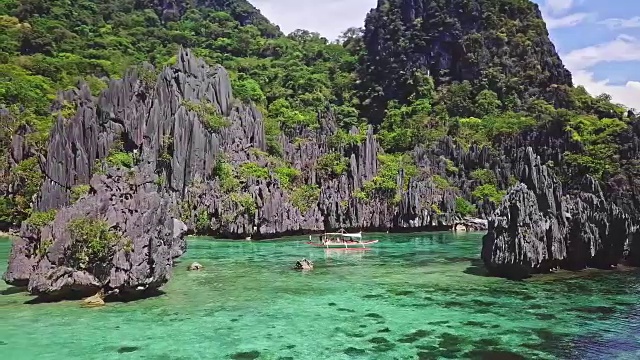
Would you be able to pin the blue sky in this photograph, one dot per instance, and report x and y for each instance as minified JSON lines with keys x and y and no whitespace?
{"x":598,"y":40}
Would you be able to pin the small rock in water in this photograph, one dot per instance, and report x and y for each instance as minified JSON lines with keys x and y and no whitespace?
{"x":352,"y":351}
{"x":195,"y":267}
{"x":96,"y":300}
{"x":127,"y":349}
{"x":303,"y":264}
{"x":250,"y":355}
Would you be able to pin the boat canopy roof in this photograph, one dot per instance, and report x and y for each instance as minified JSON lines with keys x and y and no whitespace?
{"x":357,"y":235}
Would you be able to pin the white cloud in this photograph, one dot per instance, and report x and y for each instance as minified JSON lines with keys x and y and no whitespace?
{"x":557,"y":14}
{"x":557,"y":6}
{"x":616,"y":23}
{"x":328,"y":17}
{"x":566,"y":21}
{"x":623,"y":49}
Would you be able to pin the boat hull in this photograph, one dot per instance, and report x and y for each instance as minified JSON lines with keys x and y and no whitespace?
{"x":353,"y":246}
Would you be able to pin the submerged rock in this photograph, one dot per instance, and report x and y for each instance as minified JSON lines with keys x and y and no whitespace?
{"x":96,"y":300}
{"x":195,"y":267}
{"x":303,"y":264}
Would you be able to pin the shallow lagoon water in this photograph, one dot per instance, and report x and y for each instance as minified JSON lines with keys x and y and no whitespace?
{"x":414,"y":296}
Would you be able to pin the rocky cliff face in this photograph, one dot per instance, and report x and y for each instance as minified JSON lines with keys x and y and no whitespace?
{"x":539,"y":228}
{"x":153,"y":120}
{"x":480,"y":41}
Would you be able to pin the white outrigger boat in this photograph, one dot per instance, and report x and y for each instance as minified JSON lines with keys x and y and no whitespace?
{"x":343,"y":240}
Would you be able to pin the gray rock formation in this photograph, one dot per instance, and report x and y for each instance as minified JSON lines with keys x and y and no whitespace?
{"x":48,"y":262}
{"x":471,"y":224}
{"x":537,"y":228}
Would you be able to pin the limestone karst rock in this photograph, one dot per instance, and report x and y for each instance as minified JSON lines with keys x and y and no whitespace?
{"x":139,"y":258}
{"x":303,"y":264}
{"x":538,"y":227}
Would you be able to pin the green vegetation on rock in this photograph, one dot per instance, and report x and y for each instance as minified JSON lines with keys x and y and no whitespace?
{"x":490,"y":192}
{"x":79,"y":191}
{"x":440,"y":182}
{"x":224,"y":172}
{"x":484,"y":176}
{"x":120,"y":159}
{"x":464,"y":207}
{"x":287,"y":176}
{"x":386,"y":182}
{"x":305,"y":197}
{"x":211,"y":119}
{"x":41,"y":218}
{"x":333,"y":164}
{"x":252,"y":170}
{"x":203,"y":222}
{"x":14,"y":210}
{"x":597,"y":136}
{"x":93,"y":242}
{"x":246,"y":203}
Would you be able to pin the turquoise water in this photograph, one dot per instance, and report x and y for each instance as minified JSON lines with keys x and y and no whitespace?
{"x":416,"y":296}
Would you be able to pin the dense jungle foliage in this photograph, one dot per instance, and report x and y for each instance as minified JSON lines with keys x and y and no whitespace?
{"x":384,"y":74}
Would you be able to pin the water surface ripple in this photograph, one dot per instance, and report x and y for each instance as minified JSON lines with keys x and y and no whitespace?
{"x":415,"y":296}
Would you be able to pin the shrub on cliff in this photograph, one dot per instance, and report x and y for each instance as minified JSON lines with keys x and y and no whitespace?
{"x":333,"y":164}
{"x":484,"y":176}
{"x":385,"y":183}
{"x":224,"y":172}
{"x":598,"y":139}
{"x":252,"y":170}
{"x":209,"y":116}
{"x":121,"y":159}
{"x":93,"y":242}
{"x":245,"y":202}
{"x":26,"y":178}
{"x":287,"y":175}
{"x":305,"y":197}
{"x":464,"y":207}
{"x":79,"y":191}
{"x":440,"y":182}
{"x":41,"y":218}
{"x":490,"y":192}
